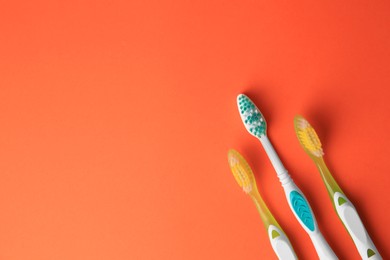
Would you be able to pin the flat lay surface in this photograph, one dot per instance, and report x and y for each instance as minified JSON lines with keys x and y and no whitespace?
{"x":116,"y":118}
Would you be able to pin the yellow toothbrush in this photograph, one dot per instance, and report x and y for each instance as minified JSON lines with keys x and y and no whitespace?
{"x":245,"y":178}
{"x":344,"y":208}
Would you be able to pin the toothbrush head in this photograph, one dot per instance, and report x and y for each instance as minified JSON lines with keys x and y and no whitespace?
{"x":251,"y":116}
{"x":308,"y":137}
{"x":242,"y":172}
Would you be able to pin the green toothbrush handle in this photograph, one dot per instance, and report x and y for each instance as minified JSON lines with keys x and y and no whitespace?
{"x":355,"y":227}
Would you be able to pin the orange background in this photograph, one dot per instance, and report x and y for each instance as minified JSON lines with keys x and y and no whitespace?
{"x":116,"y":118}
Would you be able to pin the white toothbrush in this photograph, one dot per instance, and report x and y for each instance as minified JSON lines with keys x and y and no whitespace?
{"x":255,"y":124}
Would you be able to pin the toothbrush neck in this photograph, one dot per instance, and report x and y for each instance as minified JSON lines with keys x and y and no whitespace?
{"x":272,"y":155}
{"x":282,"y":173}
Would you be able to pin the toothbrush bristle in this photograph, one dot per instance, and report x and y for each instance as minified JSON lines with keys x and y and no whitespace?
{"x":251,"y":116}
{"x":241,"y":171}
{"x":308,"y":137}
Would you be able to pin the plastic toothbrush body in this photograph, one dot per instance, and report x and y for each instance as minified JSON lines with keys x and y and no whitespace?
{"x":255,"y":124}
{"x":245,"y":178}
{"x":343,"y":206}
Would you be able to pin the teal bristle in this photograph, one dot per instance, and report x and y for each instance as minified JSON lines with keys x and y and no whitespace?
{"x":251,"y":116}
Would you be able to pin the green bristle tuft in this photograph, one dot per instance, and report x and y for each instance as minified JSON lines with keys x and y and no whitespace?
{"x":251,"y":116}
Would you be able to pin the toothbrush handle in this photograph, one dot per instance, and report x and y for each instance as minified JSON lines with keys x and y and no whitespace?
{"x":355,"y":227}
{"x":280,"y":243}
{"x":279,"y":240}
{"x":304,"y":214}
{"x":298,"y":203}
{"x":323,"y":249}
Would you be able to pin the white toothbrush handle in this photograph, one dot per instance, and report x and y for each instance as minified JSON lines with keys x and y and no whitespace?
{"x":280,"y":243}
{"x":355,"y":227}
{"x":298,"y":204}
{"x":304,"y":214}
{"x":322,"y":247}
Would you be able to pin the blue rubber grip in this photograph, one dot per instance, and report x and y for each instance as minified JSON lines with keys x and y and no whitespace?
{"x":302,"y":209}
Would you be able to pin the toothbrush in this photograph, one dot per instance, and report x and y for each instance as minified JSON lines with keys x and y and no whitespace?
{"x":246,"y":180}
{"x":343,"y":206}
{"x":255,"y":123}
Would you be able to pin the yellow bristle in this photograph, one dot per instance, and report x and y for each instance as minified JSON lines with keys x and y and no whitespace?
{"x":241,"y":171}
{"x":308,"y":137}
